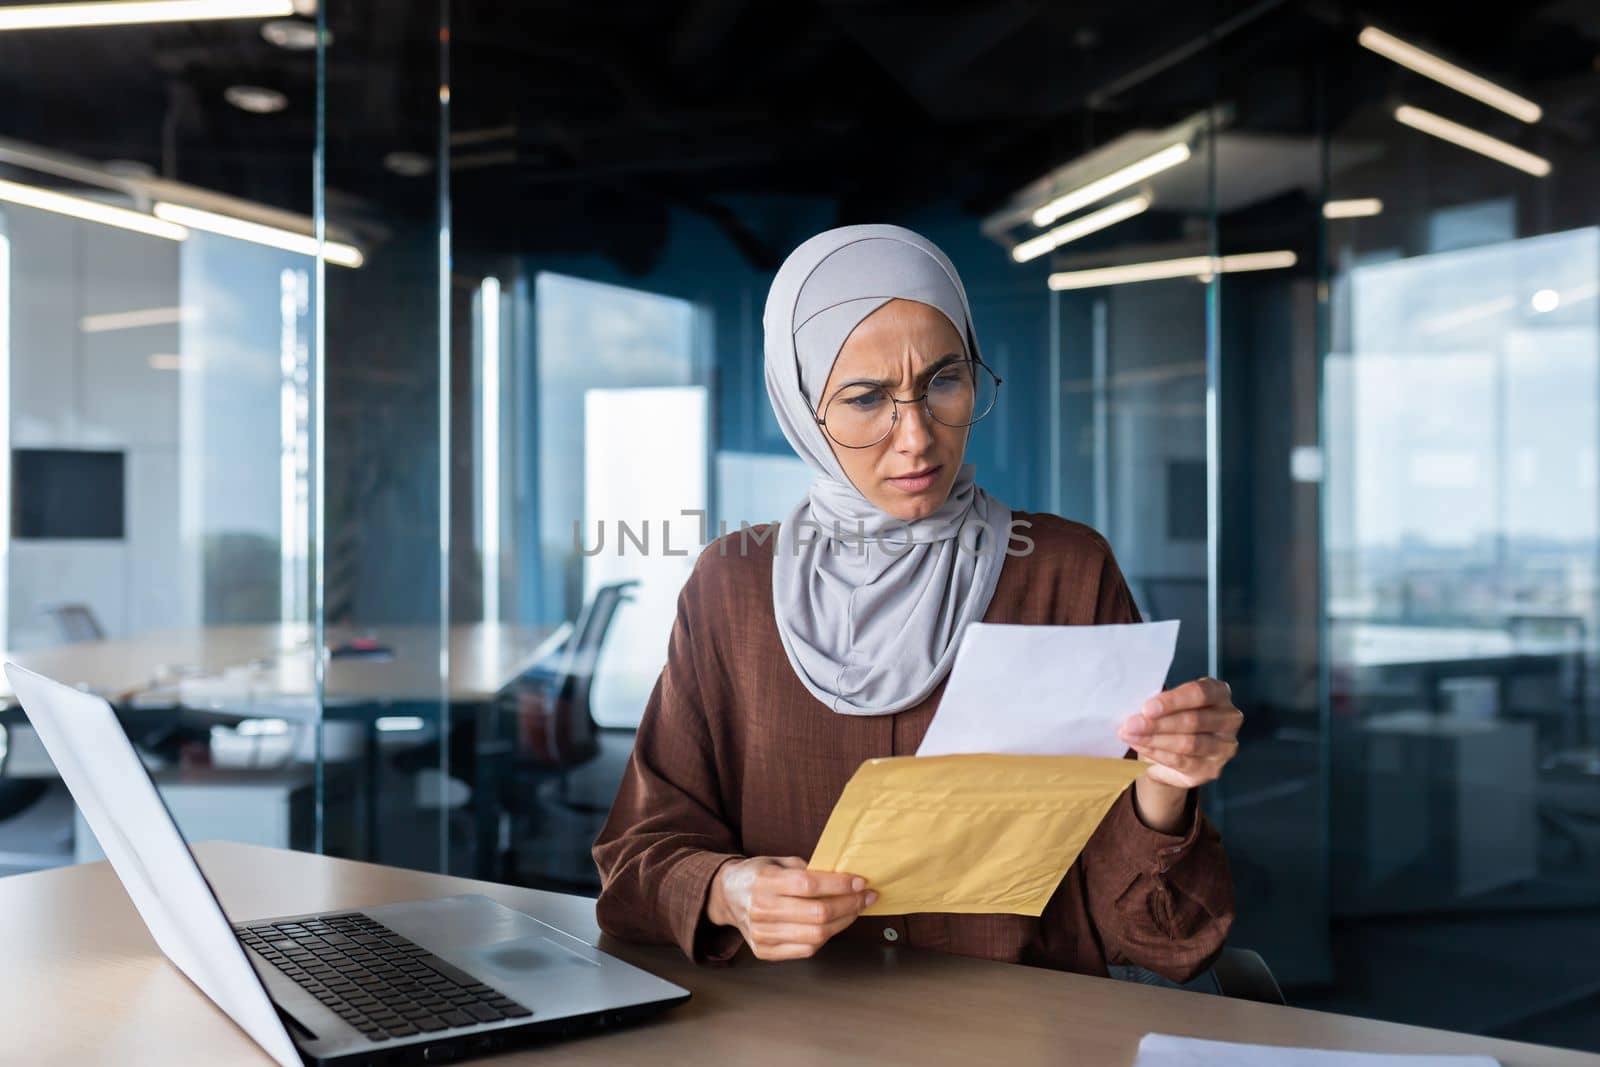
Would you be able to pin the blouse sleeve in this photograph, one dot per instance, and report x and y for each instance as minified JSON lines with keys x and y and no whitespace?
{"x":1159,"y":901}
{"x":668,"y":833}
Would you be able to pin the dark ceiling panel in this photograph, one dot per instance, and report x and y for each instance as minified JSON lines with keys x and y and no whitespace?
{"x":568,"y":110}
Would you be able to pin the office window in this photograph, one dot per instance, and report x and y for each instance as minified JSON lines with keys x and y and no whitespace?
{"x":1462,"y":540}
{"x":595,"y":336}
{"x":645,"y":465}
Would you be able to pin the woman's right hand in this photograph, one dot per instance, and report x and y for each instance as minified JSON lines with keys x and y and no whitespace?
{"x":784,"y":911}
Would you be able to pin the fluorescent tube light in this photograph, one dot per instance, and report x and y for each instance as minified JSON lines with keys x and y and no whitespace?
{"x":228,"y":226}
{"x":1116,"y":181}
{"x":489,"y":401}
{"x":89,"y":210}
{"x":1186,"y":267}
{"x":128,"y":12}
{"x":1462,"y":81}
{"x":1035,"y":247}
{"x":389,"y":724}
{"x":1257,"y":261}
{"x":106,"y":321}
{"x":1471,"y":139}
{"x":1352,"y":209}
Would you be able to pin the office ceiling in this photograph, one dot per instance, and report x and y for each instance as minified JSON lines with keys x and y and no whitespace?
{"x":577,"y":124}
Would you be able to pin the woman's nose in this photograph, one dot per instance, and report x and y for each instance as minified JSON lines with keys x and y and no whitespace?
{"x":912,"y":431}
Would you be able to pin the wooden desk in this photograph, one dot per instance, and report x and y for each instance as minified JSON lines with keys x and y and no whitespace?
{"x":211,"y":661}
{"x":85,"y":985}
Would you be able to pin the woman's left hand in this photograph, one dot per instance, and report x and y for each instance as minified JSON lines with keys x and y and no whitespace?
{"x":1187,"y":734}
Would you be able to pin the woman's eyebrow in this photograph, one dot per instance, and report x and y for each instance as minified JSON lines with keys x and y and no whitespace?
{"x":931,"y":369}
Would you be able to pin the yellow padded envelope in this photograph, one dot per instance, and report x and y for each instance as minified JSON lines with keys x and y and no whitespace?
{"x":973,"y":834}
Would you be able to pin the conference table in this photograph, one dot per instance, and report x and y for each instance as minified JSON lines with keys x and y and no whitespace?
{"x":223,"y":674}
{"x":211,"y":664}
{"x":86,"y":985}
{"x":1421,"y":658}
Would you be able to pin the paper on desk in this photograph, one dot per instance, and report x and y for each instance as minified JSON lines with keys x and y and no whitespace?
{"x":973,"y":834}
{"x":1165,"y":1050}
{"x":1048,"y":690}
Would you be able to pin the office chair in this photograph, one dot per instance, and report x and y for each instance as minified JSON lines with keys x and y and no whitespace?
{"x":1239,"y":973}
{"x":547,"y":710}
{"x":74,"y":623}
{"x":555,"y":725}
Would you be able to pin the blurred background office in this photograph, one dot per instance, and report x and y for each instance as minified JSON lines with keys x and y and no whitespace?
{"x":372,"y":373}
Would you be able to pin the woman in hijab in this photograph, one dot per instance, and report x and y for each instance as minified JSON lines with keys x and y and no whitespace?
{"x":800,"y":652}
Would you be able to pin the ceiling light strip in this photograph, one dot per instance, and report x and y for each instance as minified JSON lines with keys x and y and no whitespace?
{"x":1257,"y":261}
{"x":131,"y":12}
{"x":1473,"y":140}
{"x":1445,"y":73}
{"x":1156,"y":270}
{"x":1358,"y":208}
{"x":1035,"y":247}
{"x":1116,"y":181}
{"x":139,"y":318}
{"x":89,"y":210}
{"x":228,"y":226}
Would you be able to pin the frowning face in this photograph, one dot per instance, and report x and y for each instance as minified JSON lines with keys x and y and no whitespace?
{"x":902,"y":350}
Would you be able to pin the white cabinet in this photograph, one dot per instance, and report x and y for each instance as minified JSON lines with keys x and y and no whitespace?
{"x":1447,"y":810}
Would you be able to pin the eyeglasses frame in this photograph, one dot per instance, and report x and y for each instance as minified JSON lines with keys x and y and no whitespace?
{"x":894,"y":419}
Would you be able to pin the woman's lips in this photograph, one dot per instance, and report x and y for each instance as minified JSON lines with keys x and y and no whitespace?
{"x":918,"y":482}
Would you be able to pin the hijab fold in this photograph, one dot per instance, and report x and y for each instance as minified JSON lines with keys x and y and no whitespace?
{"x":870,"y":608}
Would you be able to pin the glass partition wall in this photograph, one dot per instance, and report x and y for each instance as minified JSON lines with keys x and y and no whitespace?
{"x":224,"y":319}
{"x":1382,"y":384}
{"x":403,"y":672}
{"x":1459,"y":521}
{"x":159,"y":318}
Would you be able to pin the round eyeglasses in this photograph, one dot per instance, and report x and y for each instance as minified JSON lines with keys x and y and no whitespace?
{"x":861,"y":415}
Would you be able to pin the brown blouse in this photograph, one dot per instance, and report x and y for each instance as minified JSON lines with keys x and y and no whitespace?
{"x":735,"y":757}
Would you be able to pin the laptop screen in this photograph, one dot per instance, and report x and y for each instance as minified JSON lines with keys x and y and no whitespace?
{"x":120,"y":803}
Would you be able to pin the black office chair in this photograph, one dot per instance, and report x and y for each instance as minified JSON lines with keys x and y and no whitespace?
{"x":549,"y":702}
{"x":1239,"y":973}
{"x":547,"y":713}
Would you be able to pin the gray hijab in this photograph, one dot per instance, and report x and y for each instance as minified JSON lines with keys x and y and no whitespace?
{"x":870,"y":608}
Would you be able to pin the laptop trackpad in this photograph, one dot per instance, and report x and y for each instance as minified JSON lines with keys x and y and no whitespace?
{"x":530,"y":955}
{"x":546,"y":968}
{"x":481,"y":936}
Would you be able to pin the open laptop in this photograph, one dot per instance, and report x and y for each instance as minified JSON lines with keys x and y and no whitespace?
{"x":416,"y":982}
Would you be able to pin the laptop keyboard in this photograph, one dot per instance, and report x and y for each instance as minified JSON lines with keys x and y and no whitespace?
{"x":374,"y":979}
